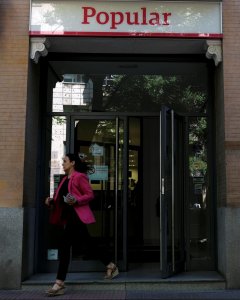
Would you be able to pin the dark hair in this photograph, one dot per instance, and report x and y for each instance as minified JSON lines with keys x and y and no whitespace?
{"x":80,"y":165}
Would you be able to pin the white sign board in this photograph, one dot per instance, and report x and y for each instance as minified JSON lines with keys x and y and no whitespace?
{"x":96,"y":150}
{"x":52,"y":254}
{"x":101,"y":173}
{"x":126,"y":18}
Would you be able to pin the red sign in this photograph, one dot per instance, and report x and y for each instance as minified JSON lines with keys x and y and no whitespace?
{"x":116,"y":18}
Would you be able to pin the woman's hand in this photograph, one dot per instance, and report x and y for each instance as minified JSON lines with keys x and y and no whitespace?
{"x":48,"y":201}
{"x":70,"y":199}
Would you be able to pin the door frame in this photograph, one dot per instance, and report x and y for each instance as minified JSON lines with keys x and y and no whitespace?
{"x":172,"y":179}
{"x":70,"y":146}
{"x":125,"y":117}
{"x":91,"y":115}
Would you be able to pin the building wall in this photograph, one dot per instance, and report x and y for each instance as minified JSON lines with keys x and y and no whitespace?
{"x":14,"y":67}
{"x":231,"y":67}
{"x":229,"y":208}
{"x":13,"y":96}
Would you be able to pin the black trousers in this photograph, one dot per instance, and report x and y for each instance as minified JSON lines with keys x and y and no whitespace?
{"x":74,"y":230}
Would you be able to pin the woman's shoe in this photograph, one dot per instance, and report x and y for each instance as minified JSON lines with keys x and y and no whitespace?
{"x":56,"y":290}
{"x":112,"y":271}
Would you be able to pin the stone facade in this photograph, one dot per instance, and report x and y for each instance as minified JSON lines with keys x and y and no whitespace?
{"x":14,"y":62}
{"x":231,"y":72}
{"x":13,"y":98}
{"x":228,"y":148}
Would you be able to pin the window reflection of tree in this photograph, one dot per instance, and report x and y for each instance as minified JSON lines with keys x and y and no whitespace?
{"x":143,"y":93}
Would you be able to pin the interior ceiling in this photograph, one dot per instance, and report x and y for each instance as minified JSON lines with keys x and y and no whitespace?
{"x":123,"y":67}
{"x":70,"y":47}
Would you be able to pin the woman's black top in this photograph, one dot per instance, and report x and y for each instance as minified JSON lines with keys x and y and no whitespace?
{"x":67,"y":210}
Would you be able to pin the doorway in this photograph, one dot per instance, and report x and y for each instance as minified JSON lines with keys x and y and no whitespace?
{"x":141,"y":154}
{"x":126,"y":154}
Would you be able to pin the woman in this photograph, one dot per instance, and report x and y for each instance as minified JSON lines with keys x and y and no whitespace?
{"x":70,"y":210}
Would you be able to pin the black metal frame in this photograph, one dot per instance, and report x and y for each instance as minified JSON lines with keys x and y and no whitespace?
{"x":71,"y":116}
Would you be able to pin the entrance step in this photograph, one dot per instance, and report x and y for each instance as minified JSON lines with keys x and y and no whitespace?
{"x":129,"y":281}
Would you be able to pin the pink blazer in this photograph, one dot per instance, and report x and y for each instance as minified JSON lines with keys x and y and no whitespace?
{"x":80,"y":188}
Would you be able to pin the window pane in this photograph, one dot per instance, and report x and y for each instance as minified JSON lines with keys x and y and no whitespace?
{"x":181,"y":86}
{"x":58,"y":149}
{"x":198,"y":189}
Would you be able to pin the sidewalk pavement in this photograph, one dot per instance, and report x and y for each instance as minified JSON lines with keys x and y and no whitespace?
{"x":133,"y":285}
{"x":73,"y":293}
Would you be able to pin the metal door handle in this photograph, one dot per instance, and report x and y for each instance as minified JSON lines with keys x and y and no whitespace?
{"x":162,"y":187}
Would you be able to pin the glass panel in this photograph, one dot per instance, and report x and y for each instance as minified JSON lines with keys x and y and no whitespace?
{"x":135,"y":209}
{"x":72,"y":95}
{"x":198,"y":190}
{"x":135,"y":88}
{"x":150,"y":161}
{"x":172,"y":233}
{"x":120,"y":193}
{"x":179,"y":244}
{"x":58,"y":149}
{"x":168,"y":194}
{"x":96,"y":140}
{"x":143,"y":196}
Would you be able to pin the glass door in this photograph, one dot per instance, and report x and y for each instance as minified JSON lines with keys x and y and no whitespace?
{"x":100,"y":141}
{"x":171,"y":206}
{"x":143,"y":192}
{"x":137,"y":178}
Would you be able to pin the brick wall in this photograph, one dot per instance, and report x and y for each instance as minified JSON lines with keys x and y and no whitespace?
{"x":14,"y":40}
{"x":231,"y":69}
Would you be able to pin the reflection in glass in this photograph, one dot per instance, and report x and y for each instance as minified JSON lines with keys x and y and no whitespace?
{"x":73,"y":94}
{"x":129,"y":93}
{"x":198,"y":188}
{"x":96,"y":140}
{"x":58,"y":149}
